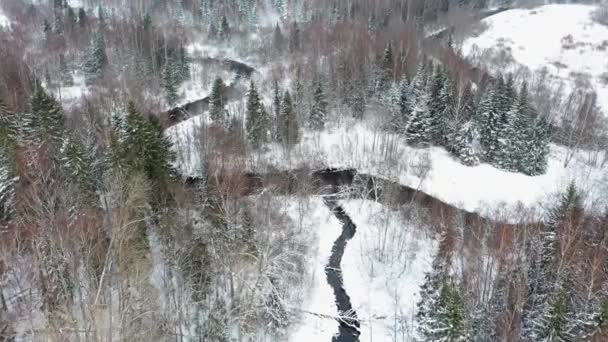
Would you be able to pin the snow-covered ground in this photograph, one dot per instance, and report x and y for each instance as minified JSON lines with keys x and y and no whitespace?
{"x":319,"y":306}
{"x":4,"y":21}
{"x":383,"y":267}
{"x":482,"y":188}
{"x":562,"y":38}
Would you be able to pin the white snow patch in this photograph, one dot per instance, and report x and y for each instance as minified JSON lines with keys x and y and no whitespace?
{"x":383,"y":268}
{"x":4,"y":20}
{"x":561,"y":38}
{"x":315,"y":322}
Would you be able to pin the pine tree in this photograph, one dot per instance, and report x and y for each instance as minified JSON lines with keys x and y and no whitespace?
{"x":66,"y":76}
{"x":276,"y":107}
{"x":318,"y":112}
{"x":444,"y":111}
{"x":8,"y":128}
{"x":488,"y":120}
{"x":71,"y":19}
{"x":385,"y":71}
{"x":466,"y":106}
{"x":289,"y":132}
{"x":429,"y":296}
{"x":258,"y":122}
{"x":419,"y":128}
{"x":217,"y":102}
{"x":183,"y":63}
{"x":82,"y":18}
{"x":140,"y":146}
{"x":294,"y":38}
{"x":101,"y":18}
{"x":544,"y":311}
{"x":97,"y":60}
{"x":46,"y":123}
{"x":405,"y":105}
{"x":224,"y":31}
{"x":7,"y":187}
{"x":278,"y":41}
{"x":449,"y":322}
{"x":463,"y":144}
{"x":76,"y":164}
{"x":171,"y":80}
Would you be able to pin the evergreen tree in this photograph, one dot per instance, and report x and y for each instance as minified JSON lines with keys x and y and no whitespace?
{"x":463,"y":144}
{"x":449,"y":321}
{"x":183,"y":64}
{"x":258,"y":122}
{"x":405,"y":105}
{"x":488,"y":120}
{"x":46,"y":122}
{"x":217,"y":102}
{"x":97,"y":60}
{"x":140,"y":146}
{"x":76,"y":164}
{"x":47,"y":28}
{"x":289,"y":132}
{"x":466,"y":107}
{"x":278,"y":41}
{"x":7,"y":187}
{"x":82,"y":18}
{"x":385,"y":71}
{"x":8,"y":128}
{"x":101,"y":18}
{"x":294,"y":38}
{"x":544,"y":310}
{"x":224,"y":31}
{"x":171,"y":80}
{"x":444,"y":111}
{"x":419,"y":128}
{"x":276,"y":107}
{"x":212,"y":31}
{"x":429,"y":296}
{"x":71,"y":19}
{"x":318,"y":112}
{"x":66,"y":76}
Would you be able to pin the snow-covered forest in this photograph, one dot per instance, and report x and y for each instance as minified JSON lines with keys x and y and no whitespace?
{"x":303,"y":170}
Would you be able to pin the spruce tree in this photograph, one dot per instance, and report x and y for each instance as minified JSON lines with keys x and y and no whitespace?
{"x":224,"y":31}
{"x":466,"y":105}
{"x":140,"y":146}
{"x":463,"y":144}
{"x":7,"y":186}
{"x":171,"y":80}
{"x":276,"y":107}
{"x":419,"y":128}
{"x":97,"y":60}
{"x":405,"y":105}
{"x":82,"y":18}
{"x":289,"y":131}
{"x":76,"y":164}
{"x":294,"y":38}
{"x":449,"y":321}
{"x":488,"y":120}
{"x":71,"y":19}
{"x":385,"y":70}
{"x":9,"y":127}
{"x":46,"y":123}
{"x":101,"y":18}
{"x":278,"y":41}
{"x":66,"y":76}
{"x":544,"y":310}
{"x":217,"y":102}
{"x":318,"y":112}
{"x":258,"y":122}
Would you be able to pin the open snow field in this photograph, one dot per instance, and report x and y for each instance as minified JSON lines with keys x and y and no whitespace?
{"x":562,"y":38}
{"x":383,"y":268}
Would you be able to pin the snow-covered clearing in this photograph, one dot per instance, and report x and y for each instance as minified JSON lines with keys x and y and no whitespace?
{"x":319,"y":305}
{"x":358,"y":145}
{"x":71,"y":95}
{"x":562,"y":38}
{"x":383,"y":267}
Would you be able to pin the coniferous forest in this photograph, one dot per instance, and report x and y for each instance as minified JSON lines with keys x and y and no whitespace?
{"x":294,"y":170}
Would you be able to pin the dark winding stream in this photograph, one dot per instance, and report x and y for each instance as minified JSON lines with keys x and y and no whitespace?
{"x":349,"y":323}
